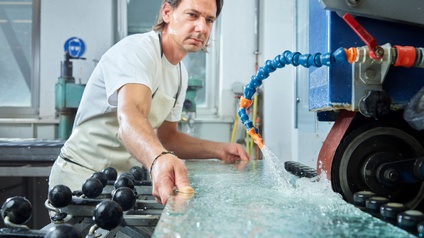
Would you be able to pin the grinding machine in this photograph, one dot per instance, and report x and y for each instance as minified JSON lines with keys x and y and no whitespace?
{"x":370,"y":84}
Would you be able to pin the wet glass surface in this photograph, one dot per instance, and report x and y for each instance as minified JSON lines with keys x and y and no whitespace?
{"x":263,"y":200}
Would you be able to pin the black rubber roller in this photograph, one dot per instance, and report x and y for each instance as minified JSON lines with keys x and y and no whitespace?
{"x":110,"y":173}
{"x":124,"y":181}
{"x":389,"y":211}
{"x":300,"y":170}
{"x":127,"y":175}
{"x":108,"y":215}
{"x":139,"y":173}
{"x":92,"y":187}
{"x":60,"y":196}
{"x":100,"y":176}
{"x":125,"y":197}
{"x":409,"y":219}
{"x":359,"y":198}
{"x":373,"y":204}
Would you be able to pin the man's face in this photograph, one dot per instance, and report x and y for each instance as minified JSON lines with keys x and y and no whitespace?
{"x":190,"y":24}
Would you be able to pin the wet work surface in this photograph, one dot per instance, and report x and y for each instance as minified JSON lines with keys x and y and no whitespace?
{"x":260,"y":199}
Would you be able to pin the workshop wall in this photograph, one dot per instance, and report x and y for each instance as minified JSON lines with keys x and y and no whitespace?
{"x":92,"y":21}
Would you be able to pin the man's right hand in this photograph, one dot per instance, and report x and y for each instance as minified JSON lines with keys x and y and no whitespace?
{"x":168,"y":172}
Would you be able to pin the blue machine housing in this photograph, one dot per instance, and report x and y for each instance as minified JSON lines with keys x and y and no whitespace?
{"x":330,"y":88}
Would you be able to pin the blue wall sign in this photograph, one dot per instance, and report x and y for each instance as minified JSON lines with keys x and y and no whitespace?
{"x":75,"y":47}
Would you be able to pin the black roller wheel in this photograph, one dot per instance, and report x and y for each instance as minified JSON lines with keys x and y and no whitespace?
{"x":366,"y":146}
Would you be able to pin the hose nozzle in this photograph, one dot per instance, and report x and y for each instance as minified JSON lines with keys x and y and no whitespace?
{"x":256,"y":137}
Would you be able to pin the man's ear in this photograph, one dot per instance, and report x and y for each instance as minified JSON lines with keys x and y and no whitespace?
{"x":166,"y":12}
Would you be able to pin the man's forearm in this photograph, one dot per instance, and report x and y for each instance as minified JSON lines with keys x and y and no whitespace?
{"x":139,"y":139}
{"x":188,"y":147}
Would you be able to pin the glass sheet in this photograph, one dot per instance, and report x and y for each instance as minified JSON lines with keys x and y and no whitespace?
{"x":263,"y":200}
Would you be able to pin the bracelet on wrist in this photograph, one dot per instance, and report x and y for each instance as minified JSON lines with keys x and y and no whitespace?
{"x":154,"y":160}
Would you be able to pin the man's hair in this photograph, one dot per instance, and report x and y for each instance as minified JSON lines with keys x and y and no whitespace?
{"x":160,"y":24}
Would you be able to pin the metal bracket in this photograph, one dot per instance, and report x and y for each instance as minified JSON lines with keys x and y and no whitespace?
{"x":369,"y":74}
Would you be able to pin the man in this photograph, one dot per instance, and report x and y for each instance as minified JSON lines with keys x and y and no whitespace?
{"x":133,"y":101}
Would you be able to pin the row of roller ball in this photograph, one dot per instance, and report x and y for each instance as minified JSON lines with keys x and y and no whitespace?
{"x":109,"y":208}
{"x":94,"y":185}
{"x":393,"y":212}
{"x":17,"y":211}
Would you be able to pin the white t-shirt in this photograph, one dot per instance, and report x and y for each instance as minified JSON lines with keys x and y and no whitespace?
{"x":135,"y":59}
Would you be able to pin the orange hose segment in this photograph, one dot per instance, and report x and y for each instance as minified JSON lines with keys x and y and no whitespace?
{"x":351,"y":54}
{"x":406,"y":56}
{"x":245,"y":103}
{"x":256,"y":137}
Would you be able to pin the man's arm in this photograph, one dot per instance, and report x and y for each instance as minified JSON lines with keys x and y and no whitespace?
{"x":134,"y":128}
{"x":140,"y":140}
{"x":188,"y":147}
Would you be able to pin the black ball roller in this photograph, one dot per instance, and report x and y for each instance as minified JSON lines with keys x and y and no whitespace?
{"x":124,"y":181}
{"x":108,"y":215}
{"x":62,"y":231}
{"x":110,"y":173}
{"x":125,"y":197}
{"x":139,"y":173}
{"x":92,"y":188}
{"x":100,"y":176}
{"x":60,"y":196}
{"x":17,"y":209}
{"x":128,"y":175}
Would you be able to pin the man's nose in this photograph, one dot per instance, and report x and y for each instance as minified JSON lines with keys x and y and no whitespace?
{"x":201,"y":25}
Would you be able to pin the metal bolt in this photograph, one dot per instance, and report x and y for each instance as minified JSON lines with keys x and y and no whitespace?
{"x":354,"y":3}
{"x":379,"y":52}
{"x":391,"y":175}
{"x":370,"y":73}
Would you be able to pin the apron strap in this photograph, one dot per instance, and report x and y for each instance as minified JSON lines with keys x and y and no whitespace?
{"x":179,"y":66}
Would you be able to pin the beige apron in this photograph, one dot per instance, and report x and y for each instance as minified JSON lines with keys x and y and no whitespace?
{"x":94,"y":145}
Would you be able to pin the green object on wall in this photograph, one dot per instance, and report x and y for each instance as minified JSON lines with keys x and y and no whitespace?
{"x":67,"y":98}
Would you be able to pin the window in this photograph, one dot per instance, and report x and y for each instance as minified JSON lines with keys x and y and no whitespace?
{"x":19,"y":57}
{"x":142,"y":15}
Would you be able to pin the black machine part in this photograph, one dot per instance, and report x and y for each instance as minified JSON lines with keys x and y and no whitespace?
{"x":375,"y":104}
{"x":384,"y":157}
{"x":300,"y":170}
